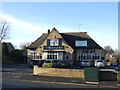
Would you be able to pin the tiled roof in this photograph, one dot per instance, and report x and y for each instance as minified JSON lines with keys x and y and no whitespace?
{"x":38,"y":42}
{"x":70,"y":38}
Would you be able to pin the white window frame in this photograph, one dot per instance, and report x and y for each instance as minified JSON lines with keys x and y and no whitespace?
{"x":81,"y":43}
{"x":81,"y":54}
{"x":53,"y":54}
{"x":91,"y":55}
{"x":54,"y":42}
{"x":96,"y":55}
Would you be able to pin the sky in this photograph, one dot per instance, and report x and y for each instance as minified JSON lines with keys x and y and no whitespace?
{"x":29,"y":20}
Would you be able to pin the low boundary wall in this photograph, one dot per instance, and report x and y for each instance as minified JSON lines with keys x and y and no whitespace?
{"x":104,"y":75}
{"x":59,"y":72}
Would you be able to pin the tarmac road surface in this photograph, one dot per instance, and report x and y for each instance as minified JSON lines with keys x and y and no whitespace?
{"x":20,"y":76}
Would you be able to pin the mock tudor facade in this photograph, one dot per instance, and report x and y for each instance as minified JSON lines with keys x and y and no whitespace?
{"x":72,"y":47}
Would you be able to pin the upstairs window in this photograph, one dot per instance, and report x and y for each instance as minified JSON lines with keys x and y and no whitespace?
{"x":54,"y":42}
{"x":80,"y":43}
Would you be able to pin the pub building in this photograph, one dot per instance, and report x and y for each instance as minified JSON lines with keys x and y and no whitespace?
{"x":72,"y":47}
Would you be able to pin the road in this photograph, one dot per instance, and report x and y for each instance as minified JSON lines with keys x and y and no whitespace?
{"x":20,"y":76}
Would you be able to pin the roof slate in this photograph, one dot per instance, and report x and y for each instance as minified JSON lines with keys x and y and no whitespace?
{"x":70,"y":38}
{"x":38,"y":42}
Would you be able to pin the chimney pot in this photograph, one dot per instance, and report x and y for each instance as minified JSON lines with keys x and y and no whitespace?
{"x":48,"y":30}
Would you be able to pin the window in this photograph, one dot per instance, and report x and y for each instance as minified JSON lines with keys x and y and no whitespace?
{"x":81,"y":56}
{"x":40,"y":57}
{"x":60,"y":56}
{"x":52,"y":56}
{"x":34,"y":56}
{"x":81,"y":43}
{"x":54,"y":42}
{"x":89,"y":56}
{"x":95,"y":56}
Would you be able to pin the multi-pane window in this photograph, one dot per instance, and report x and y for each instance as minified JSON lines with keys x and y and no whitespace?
{"x":33,"y":56}
{"x":81,"y":56}
{"x":95,"y":56}
{"x":38,"y":56}
{"x":81,"y":43}
{"x":54,"y":56}
{"x":88,"y":56}
{"x":54,"y":42}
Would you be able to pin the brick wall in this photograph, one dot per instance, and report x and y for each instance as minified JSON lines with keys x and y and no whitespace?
{"x":75,"y":73}
{"x":72,"y":73}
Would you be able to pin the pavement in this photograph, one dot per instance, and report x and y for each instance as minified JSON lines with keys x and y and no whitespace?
{"x":23,"y":73}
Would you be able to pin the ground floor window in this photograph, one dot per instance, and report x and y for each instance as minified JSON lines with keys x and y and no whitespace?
{"x":95,"y":56}
{"x":81,"y":56}
{"x":33,"y":56}
{"x":88,"y":56}
{"x":38,"y":57}
{"x":54,"y":56}
{"x":51,"y":55}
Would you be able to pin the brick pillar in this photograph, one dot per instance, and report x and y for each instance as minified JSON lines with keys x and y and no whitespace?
{"x":35,"y":70}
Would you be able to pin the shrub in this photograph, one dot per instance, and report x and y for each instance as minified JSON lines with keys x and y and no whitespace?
{"x":16,"y":56}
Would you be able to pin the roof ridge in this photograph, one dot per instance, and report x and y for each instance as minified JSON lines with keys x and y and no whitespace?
{"x":74,"y":32}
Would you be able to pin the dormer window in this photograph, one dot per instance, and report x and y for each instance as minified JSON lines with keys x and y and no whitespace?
{"x":54,"y":42}
{"x":81,"y":43}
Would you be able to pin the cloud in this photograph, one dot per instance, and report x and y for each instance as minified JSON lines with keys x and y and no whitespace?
{"x":23,"y":27}
{"x":22,"y":31}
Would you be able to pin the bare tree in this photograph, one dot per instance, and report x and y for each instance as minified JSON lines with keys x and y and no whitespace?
{"x":117,"y":52}
{"x":109,"y":50}
{"x":4,"y":29}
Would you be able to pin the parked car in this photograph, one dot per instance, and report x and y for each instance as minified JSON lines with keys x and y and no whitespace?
{"x":62,"y":64}
{"x":99,"y":63}
{"x":85,"y":63}
{"x":50,"y":63}
{"x":117,"y":68}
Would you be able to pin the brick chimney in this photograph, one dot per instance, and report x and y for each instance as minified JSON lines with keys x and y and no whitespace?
{"x":48,"y":30}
